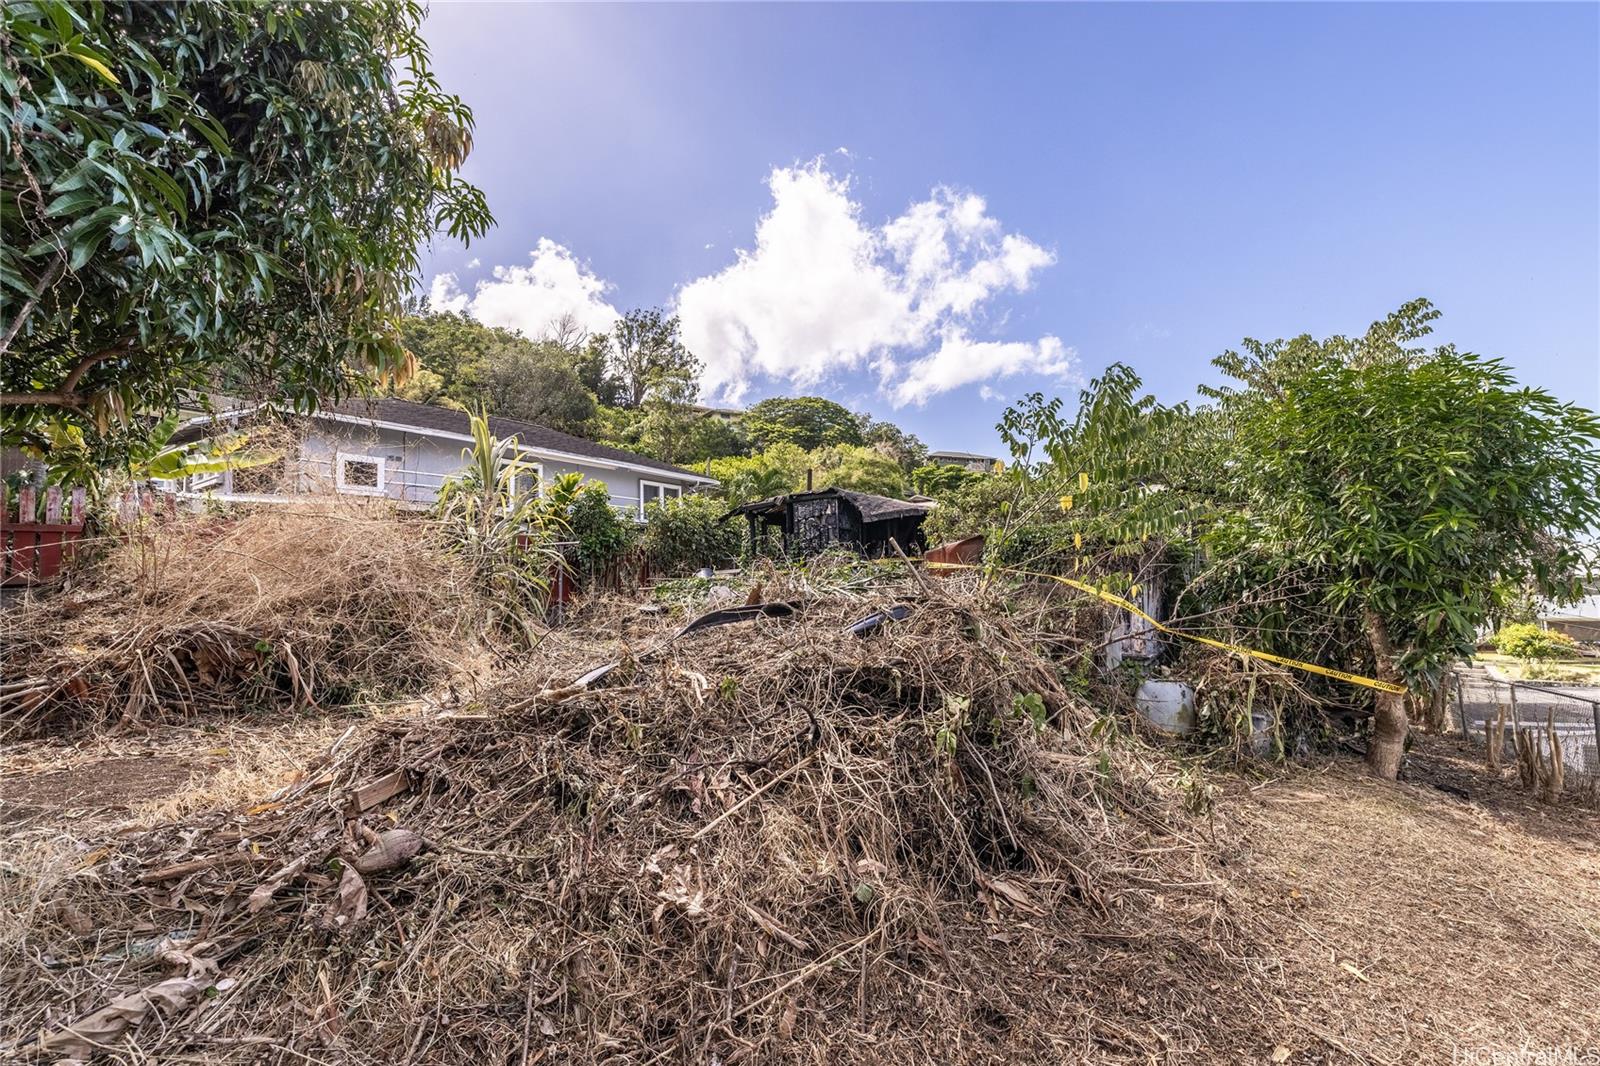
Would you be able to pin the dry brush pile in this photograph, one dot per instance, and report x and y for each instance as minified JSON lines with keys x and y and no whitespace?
{"x":776,"y":840}
{"x":284,"y":607}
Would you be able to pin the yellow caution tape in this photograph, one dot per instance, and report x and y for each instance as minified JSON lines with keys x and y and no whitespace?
{"x":1118,"y":601}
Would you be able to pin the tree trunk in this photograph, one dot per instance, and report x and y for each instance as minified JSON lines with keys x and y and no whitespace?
{"x":1389,"y":723}
{"x":1435,"y":715}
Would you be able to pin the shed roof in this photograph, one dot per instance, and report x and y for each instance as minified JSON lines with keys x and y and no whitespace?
{"x":872,"y":508}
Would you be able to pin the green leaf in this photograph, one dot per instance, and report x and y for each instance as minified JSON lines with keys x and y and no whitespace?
{"x":70,"y":203}
{"x":84,"y":247}
{"x":214,"y":134}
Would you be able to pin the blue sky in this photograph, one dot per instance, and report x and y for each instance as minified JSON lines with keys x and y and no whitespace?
{"x":926,"y":211}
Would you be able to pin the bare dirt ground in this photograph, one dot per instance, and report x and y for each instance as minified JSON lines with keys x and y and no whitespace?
{"x":110,"y":781}
{"x":1413,"y":925}
{"x":1442,"y":920}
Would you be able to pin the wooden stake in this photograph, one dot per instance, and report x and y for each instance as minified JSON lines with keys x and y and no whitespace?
{"x":912,"y":567}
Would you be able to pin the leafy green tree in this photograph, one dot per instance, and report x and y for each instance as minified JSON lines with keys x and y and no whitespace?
{"x":716,"y":436}
{"x":619,"y":427}
{"x":858,"y":468}
{"x":592,"y":361}
{"x":456,"y":348}
{"x":537,"y":383}
{"x":1416,"y":481}
{"x":807,"y":421}
{"x":666,"y":430}
{"x":778,"y":470}
{"x":941,"y":479}
{"x":214,"y":194}
{"x":464,"y":363}
{"x":1368,"y":496}
{"x":904,"y":448}
{"x":644,"y":353}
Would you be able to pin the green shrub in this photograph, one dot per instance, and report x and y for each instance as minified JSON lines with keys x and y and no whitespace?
{"x":602,"y":534}
{"x":941,"y":479}
{"x":1524,"y":641}
{"x":683,"y":535}
{"x":502,"y":532}
{"x":977,"y":505}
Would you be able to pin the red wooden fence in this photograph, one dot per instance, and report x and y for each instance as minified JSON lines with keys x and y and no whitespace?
{"x":139,"y":503}
{"x":35,"y":550}
{"x":624,"y":575}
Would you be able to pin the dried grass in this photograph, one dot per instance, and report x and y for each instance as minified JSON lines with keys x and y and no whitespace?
{"x":1408,"y":925}
{"x":774,"y":842}
{"x":248,"y":762}
{"x":286,"y":606}
{"x":33,"y":875}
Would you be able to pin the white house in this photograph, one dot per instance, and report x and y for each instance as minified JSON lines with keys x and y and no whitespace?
{"x":403,"y":451}
{"x":1580,"y":620}
{"x":978,"y":464}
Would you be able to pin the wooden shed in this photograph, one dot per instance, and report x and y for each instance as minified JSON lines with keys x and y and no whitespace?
{"x":811,"y":522}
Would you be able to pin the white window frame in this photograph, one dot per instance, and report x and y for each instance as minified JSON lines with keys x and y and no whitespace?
{"x":664,"y":486}
{"x":205,"y":482}
{"x":339,"y":461}
{"x":535,"y":471}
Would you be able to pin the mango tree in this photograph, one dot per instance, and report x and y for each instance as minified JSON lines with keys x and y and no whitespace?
{"x":1364,"y":502}
{"x":1415,"y":484}
{"x":214,"y":194}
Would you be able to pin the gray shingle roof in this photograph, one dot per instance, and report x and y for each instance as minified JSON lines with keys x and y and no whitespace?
{"x":424,"y":417}
{"x":962,"y":455}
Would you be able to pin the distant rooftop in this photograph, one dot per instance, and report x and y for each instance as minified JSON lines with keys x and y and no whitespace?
{"x":1586,"y":609}
{"x":963,"y":455}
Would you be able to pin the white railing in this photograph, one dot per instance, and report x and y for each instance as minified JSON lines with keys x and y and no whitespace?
{"x":314,"y":475}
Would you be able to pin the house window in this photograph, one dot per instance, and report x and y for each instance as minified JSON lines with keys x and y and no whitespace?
{"x":656,"y":492}
{"x":361,"y":475}
{"x":264,"y":480}
{"x":529,"y":481}
{"x":205,"y":482}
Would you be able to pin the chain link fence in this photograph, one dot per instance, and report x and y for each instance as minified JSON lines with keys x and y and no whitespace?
{"x":1571,"y":713}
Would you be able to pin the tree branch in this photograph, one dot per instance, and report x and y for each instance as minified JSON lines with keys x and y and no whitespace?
{"x":67,"y":395}
{"x":90,"y":360}
{"x":39,"y":399}
{"x":45,"y":282}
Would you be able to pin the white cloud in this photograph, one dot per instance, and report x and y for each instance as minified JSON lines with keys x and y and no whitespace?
{"x":532,"y":297}
{"x":825,"y":293}
{"x":960,"y":360}
{"x":822,"y":294}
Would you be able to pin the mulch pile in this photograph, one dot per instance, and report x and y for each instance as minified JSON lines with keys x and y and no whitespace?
{"x":784,"y":839}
